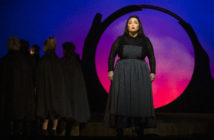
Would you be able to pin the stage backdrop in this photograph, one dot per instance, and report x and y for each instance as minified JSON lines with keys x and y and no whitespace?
{"x":176,"y":87}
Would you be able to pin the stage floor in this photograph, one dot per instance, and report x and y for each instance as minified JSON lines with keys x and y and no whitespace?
{"x":168,"y":125}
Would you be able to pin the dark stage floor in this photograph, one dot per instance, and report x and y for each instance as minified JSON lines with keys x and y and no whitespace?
{"x":169,"y":125}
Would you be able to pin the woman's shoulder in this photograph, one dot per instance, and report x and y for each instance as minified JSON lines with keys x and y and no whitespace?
{"x":146,"y":38}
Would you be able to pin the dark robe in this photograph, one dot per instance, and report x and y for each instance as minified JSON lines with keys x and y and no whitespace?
{"x":35,"y":63}
{"x":75,"y":85}
{"x":1,"y":91}
{"x":52,"y":98}
{"x":16,"y":87}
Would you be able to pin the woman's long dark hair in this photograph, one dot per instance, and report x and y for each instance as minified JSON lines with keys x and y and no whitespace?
{"x":140,"y":31}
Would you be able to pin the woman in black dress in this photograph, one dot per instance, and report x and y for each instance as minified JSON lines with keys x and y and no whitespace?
{"x":76,"y":88}
{"x":17,"y":108}
{"x":130,"y":102}
{"x":35,"y":54}
{"x":53,"y":103}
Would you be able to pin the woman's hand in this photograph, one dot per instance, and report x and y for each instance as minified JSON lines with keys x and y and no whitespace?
{"x":152,"y":76}
{"x":110,"y":75}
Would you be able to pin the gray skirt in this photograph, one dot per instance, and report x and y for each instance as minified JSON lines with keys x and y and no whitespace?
{"x":130,"y":101}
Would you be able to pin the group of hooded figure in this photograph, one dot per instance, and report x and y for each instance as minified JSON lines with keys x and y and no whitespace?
{"x":37,"y":93}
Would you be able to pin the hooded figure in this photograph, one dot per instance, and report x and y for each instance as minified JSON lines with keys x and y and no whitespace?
{"x":75,"y":85}
{"x":16,"y":86}
{"x":52,"y":98}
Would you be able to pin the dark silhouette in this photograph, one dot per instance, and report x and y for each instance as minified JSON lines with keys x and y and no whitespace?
{"x":24,"y":46}
{"x":53,"y":102}
{"x":75,"y":86}
{"x":35,"y":53}
{"x":17,"y":91}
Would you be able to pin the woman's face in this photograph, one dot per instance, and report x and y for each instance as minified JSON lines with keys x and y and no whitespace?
{"x":133,"y":25}
{"x":32,"y":52}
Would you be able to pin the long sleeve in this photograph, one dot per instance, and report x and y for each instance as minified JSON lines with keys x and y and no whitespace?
{"x":113,"y":54}
{"x":151,"y":56}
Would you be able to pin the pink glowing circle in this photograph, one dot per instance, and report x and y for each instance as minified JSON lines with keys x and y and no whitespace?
{"x":173,"y":51}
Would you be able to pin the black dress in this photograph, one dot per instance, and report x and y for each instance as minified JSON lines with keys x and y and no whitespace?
{"x":16,"y":87}
{"x":75,"y":85}
{"x":130,"y":101}
{"x":53,"y":102}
